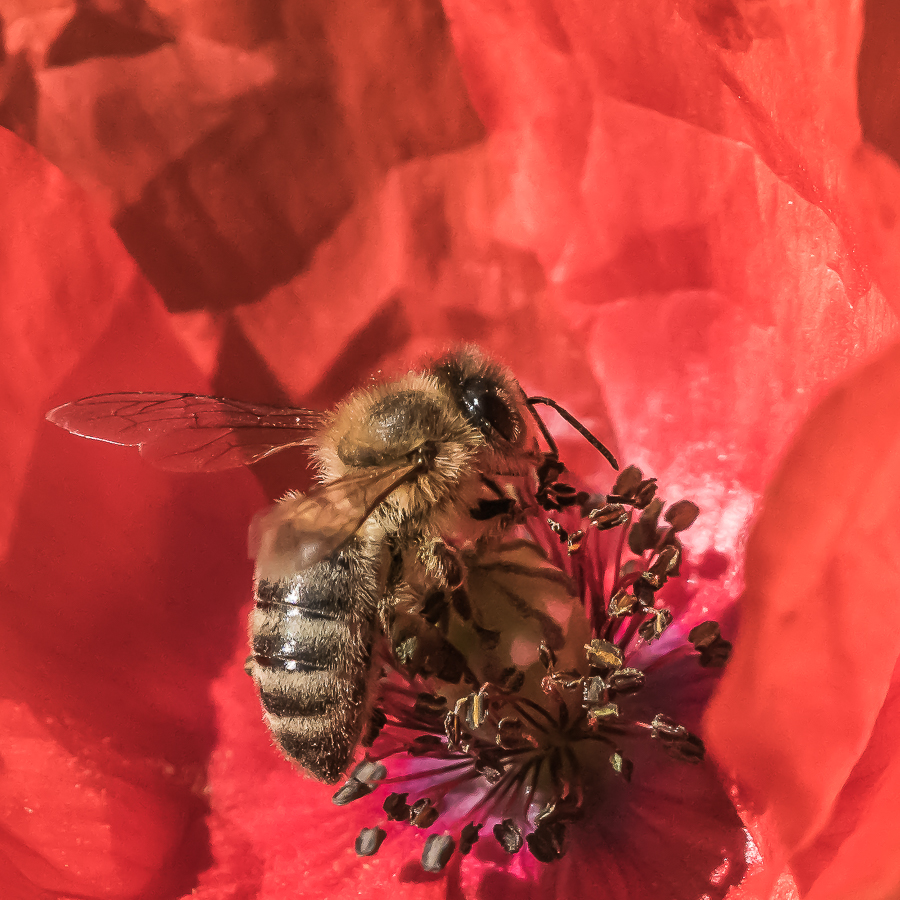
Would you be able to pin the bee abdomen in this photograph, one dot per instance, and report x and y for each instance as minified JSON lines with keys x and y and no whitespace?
{"x":312,"y":639}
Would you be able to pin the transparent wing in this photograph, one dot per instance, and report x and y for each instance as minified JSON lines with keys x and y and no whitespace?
{"x":300,"y":531}
{"x":188,"y":432}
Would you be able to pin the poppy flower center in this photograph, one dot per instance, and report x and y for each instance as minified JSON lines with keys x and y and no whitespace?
{"x":481,"y":733}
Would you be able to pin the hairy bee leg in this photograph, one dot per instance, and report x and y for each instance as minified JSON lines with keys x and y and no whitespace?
{"x":454,"y":577}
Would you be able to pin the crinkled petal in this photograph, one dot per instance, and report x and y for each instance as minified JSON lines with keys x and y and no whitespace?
{"x":120,"y":585}
{"x":817,"y":649}
{"x":663,"y":210}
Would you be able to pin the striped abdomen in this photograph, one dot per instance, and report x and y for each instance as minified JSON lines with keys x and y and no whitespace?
{"x":312,"y":637}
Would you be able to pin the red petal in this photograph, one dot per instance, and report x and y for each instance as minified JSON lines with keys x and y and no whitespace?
{"x":861,"y":835}
{"x":817,"y":646}
{"x":120,"y":586}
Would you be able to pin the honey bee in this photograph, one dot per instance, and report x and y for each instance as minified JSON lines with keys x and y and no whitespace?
{"x":409,"y":471}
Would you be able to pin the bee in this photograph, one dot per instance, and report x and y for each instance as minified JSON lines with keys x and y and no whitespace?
{"x":409,"y":471}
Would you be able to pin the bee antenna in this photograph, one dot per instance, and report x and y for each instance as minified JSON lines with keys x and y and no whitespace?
{"x":533,"y":401}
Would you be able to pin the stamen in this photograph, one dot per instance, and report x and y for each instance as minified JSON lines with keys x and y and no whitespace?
{"x":714,"y":650}
{"x":469,"y":838}
{"x":546,"y":842}
{"x":396,"y":807}
{"x":437,"y":852}
{"x":353,"y":789}
{"x":479,"y":739}
{"x":509,"y":836}
{"x":369,"y":840}
{"x":422,"y":813}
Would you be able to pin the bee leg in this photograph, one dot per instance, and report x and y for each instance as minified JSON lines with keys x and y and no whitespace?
{"x":443,"y":560}
{"x":500,"y":504}
{"x":452,"y":574}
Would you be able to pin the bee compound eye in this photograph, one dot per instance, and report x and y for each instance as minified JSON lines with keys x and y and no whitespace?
{"x":486,"y":409}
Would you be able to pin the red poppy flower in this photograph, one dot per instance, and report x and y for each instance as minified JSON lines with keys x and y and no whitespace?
{"x":663,"y":215}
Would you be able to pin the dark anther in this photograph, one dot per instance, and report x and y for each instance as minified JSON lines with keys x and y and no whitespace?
{"x":546,"y":842}
{"x":678,"y":741}
{"x":714,"y":650}
{"x":609,"y":516}
{"x":549,"y":470}
{"x":565,"y":496}
{"x":490,"y":509}
{"x":622,"y":603}
{"x":628,"y":481}
{"x":681,"y":515}
{"x":567,"y":500}
{"x":567,"y":680}
{"x":645,"y":493}
{"x":431,"y":706}
{"x":603,"y":654}
{"x":658,"y":622}
{"x":666,"y":728}
{"x":657,"y":574}
{"x":573,"y":544}
{"x":642,"y":534}
{"x":469,"y":837}
{"x":369,"y":772}
{"x":424,"y":744}
{"x":621,"y":766}
{"x":509,"y":836}
{"x":351,"y":790}
{"x":422,"y":813}
{"x":437,"y":852}
{"x":691,"y":749}
{"x":376,"y":722}
{"x":369,"y":840}
{"x":397,"y":808}
{"x":594,"y":692}
{"x":644,"y":594}
{"x":626,"y":680}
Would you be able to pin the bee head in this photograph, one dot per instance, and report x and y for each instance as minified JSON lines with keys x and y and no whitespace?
{"x":488,"y":397}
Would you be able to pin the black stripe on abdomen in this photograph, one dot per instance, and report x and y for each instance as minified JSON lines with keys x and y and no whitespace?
{"x":278,"y":651}
{"x":281,"y":704}
{"x":331,"y":598}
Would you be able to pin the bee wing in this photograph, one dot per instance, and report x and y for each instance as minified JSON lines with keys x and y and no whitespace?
{"x":188,"y":432}
{"x":300,"y":531}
